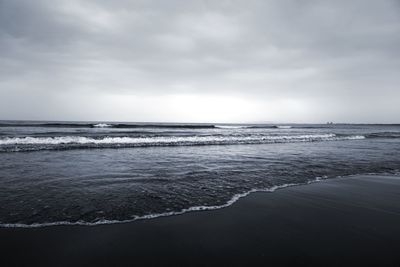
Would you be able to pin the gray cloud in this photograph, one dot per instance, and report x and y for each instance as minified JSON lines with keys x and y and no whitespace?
{"x":327,"y":60}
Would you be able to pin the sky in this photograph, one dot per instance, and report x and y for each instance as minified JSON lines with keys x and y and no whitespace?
{"x":200,"y":61}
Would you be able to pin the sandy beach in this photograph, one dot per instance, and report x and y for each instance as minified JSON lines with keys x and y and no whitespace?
{"x":344,"y":221}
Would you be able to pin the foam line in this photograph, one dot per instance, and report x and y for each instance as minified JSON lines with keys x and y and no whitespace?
{"x":230,"y":202}
{"x":178,"y":140}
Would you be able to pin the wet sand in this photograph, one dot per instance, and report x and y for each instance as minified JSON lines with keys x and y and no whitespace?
{"x":353,"y":221}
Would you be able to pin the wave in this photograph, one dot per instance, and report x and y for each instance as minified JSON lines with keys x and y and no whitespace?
{"x":232,"y":126}
{"x":68,"y":142}
{"x":254,"y":126}
{"x":154,"y":125}
{"x":102,"y":125}
{"x":286,"y":127}
{"x":48,"y":125}
{"x":230,"y":202}
{"x":384,"y":135}
{"x":173,"y":126}
{"x":109,"y":125}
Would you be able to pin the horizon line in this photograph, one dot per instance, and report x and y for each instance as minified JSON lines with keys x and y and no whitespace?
{"x":177,"y":122}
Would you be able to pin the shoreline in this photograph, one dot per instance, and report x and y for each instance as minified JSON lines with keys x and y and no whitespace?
{"x":350,"y":220}
{"x":232,"y":201}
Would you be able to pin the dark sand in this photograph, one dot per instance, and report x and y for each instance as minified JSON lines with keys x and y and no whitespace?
{"x":349,"y":221}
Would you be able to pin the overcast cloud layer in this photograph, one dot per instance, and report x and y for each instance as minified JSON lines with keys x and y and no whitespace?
{"x":200,"y":61}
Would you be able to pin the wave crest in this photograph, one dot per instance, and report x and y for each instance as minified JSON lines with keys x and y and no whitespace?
{"x":102,"y":125}
{"x":69,"y":142}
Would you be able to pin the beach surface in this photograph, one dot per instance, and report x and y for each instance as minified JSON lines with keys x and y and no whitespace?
{"x":351,"y":221}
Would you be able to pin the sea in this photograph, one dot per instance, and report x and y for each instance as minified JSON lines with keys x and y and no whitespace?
{"x":90,"y":173}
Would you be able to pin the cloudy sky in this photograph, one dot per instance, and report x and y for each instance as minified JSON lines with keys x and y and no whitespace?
{"x":200,"y":61}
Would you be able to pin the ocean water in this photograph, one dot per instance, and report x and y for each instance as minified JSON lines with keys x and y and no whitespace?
{"x":97,"y":172}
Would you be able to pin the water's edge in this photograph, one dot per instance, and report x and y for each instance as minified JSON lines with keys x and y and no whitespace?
{"x":233,"y":200}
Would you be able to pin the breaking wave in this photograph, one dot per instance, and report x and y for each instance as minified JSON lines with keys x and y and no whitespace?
{"x":68,"y":142}
{"x":102,"y":125}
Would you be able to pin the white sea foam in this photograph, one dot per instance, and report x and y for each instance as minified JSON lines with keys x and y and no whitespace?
{"x":174,"y":140}
{"x":102,"y":125}
{"x":284,"y":126}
